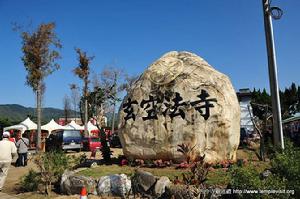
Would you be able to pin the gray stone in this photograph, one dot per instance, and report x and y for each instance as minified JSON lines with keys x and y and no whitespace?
{"x":71,"y":184}
{"x":180,"y":73}
{"x":161,"y":185}
{"x":114,"y":185}
{"x":144,"y":180}
{"x":104,"y":186}
{"x":120,"y":185}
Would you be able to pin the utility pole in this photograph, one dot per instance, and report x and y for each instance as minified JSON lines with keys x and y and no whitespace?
{"x":276,"y":13}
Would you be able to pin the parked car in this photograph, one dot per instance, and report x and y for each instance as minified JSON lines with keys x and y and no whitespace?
{"x":91,"y":143}
{"x":64,"y":140}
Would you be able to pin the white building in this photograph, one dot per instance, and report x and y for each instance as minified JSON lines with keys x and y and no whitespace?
{"x":244,"y":96}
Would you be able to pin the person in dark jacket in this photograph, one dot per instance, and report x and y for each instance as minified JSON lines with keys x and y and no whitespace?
{"x":22,"y":146}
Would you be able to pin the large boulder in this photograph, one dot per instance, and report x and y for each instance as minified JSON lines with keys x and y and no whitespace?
{"x":180,"y":99}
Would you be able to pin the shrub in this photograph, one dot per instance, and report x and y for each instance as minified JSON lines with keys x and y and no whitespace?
{"x":286,"y":165}
{"x":105,"y":148}
{"x":198,"y":174}
{"x":30,"y":181}
{"x":52,"y":165}
{"x":248,"y":178}
{"x":187,"y":151}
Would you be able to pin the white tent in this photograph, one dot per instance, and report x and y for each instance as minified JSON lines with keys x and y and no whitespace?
{"x":73,"y":125}
{"x":51,"y":126}
{"x":91,"y":127}
{"x":23,"y":126}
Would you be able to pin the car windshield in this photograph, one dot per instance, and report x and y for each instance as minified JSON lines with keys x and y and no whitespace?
{"x":72,"y":134}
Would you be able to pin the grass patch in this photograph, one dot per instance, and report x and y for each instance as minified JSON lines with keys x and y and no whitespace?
{"x":218,"y":177}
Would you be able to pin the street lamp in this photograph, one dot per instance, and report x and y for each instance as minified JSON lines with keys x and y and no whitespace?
{"x":275,"y":13}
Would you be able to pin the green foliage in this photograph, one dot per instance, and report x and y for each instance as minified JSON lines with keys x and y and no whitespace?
{"x":105,"y":148}
{"x":286,"y":165}
{"x":285,"y":175}
{"x":30,"y":181}
{"x":262,"y":98}
{"x":245,"y":177}
{"x":198,"y":174}
{"x":289,"y":99}
{"x":51,"y":166}
{"x":11,"y":114}
{"x":249,"y":178}
{"x":187,"y":151}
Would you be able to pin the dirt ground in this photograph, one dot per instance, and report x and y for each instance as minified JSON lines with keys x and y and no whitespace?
{"x":12,"y":183}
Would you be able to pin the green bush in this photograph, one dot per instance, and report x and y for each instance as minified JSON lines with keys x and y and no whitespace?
{"x":285,"y":169}
{"x":52,"y":165}
{"x":286,"y":165}
{"x":248,"y":178}
{"x":30,"y":181}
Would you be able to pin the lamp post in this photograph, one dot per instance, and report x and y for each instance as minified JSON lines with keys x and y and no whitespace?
{"x":276,"y":13}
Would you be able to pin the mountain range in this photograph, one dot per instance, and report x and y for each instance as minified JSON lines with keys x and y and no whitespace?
{"x":17,"y":113}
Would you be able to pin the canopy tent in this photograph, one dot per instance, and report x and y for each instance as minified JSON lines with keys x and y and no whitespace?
{"x":74,"y":126}
{"x":91,"y":127}
{"x":51,"y":126}
{"x":23,"y":126}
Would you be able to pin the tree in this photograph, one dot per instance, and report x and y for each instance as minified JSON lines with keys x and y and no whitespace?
{"x":127,"y":84}
{"x":97,"y":99}
{"x":67,"y":107}
{"x":74,"y":98}
{"x":83,"y":71}
{"x":40,"y":54}
{"x":110,"y":80}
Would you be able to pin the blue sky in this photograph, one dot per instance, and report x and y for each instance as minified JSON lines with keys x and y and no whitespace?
{"x":134,"y":33}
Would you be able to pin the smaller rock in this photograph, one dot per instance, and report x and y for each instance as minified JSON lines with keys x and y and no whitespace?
{"x":71,"y":184}
{"x":161,"y":185}
{"x":116,"y":185}
{"x":145,"y":180}
{"x":104,"y":186}
{"x":120,"y":185}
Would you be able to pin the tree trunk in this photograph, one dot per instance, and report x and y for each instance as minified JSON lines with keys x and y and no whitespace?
{"x":113,"y":119}
{"x":86,"y":133}
{"x":85,"y":93}
{"x":39,"y":114}
{"x":114,"y":105}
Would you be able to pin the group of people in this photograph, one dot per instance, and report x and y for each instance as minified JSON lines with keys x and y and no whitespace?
{"x":9,"y":149}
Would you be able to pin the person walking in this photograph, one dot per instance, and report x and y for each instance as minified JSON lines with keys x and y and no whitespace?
{"x":8,"y":152}
{"x":22,"y":146}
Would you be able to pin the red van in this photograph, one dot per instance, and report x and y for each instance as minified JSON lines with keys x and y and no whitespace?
{"x":91,"y":143}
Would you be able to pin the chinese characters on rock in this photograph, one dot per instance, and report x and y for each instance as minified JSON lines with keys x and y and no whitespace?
{"x":173,"y":107}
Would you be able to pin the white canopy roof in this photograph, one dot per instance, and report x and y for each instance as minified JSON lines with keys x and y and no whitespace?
{"x":29,"y":124}
{"x":73,"y":125}
{"x":51,"y":126}
{"x":91,"y":127}
{"x":23,"y":126}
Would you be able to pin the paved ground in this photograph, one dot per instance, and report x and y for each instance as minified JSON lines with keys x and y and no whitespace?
{"x":6,"y":196}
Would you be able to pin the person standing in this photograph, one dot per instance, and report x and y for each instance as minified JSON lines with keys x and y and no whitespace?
{"x":8,"y":152}
{"x":22,"y":145}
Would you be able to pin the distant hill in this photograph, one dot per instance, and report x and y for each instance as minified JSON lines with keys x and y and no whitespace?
{"x":17,"y":113}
